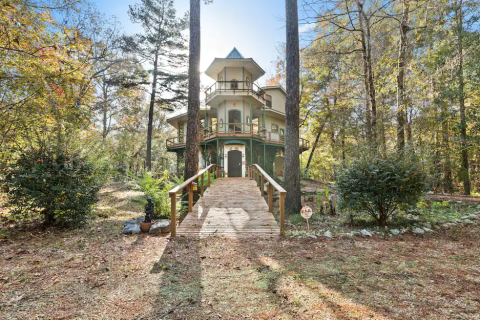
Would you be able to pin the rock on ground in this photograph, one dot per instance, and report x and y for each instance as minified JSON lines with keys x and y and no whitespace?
{"x":418,"y":231}
{"x":161,"y":226}
{"x":131,"y":228}
{"x":366,"y":233}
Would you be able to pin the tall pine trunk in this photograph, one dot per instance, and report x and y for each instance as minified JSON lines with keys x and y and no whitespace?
{"x":461,"y":85}
{"x":191,"y":156}
{"x":402,"y":61}
{"x":151,"y":109}
{"x":292,"y":112}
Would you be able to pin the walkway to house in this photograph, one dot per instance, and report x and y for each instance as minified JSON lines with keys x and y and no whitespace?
{"x":230,"y":207}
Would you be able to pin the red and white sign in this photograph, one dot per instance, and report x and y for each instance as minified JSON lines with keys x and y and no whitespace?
{"x":306,"y":212}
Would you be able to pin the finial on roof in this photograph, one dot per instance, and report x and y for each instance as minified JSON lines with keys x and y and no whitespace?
{"x":235,"y":54}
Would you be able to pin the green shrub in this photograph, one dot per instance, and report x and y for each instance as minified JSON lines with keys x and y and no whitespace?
{"x":158,"y":190}
{"x":59,"y":188}
{"x":379,"y":185}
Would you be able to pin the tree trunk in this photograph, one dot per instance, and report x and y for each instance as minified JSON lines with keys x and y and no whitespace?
{"x":151,"y":109}
{"x":292,"y":112}
{"x":402,"y":59}
{"x":447,"y":168}
{"x":191,"y":156}
{"x":370,"y":106}
{"x":105,"y":113}
{"x":371,"y":83}
{"x":461,"y":93}
{"x":319,"y":133}
{"x":408,"y":120}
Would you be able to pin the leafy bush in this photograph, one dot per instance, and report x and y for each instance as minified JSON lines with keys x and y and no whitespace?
{"x":158,"y":190}
{"x":57,"y":187}
{"x":378,"y":186}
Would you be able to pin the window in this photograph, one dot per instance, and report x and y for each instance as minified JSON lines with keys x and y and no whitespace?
{"x":181,"y":133}
{"x":214,"y":124}
{"x":282,"y":134}
{"x":220,"y":83}
{"x":234,"y":84}
{"x":274,"y":127}
{"x":255,"y":125}
{"x":268,"y":101}
{"x":247,"y":82}
{"x":234,"y":117}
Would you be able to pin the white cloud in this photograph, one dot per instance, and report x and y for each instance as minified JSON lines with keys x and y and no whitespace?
{"x":309,"y":27}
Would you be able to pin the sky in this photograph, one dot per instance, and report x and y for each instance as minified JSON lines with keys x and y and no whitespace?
{"x":255,"y":27}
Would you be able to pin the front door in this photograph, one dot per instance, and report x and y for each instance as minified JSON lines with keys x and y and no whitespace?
{"x":234,"y":163}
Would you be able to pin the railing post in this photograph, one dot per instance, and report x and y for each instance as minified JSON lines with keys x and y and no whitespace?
{"x":218,"y":172}
{"x":173,"y":214}
{"x":203,"y":178}
{"x":190,"y":197}
{"x":262,"y":186}
{"x":270,"y":197}
{"x":282,"y":213}
{"x":208,"y":183}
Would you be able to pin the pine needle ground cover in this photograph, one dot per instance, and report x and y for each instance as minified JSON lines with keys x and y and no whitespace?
{"x":97,"y":273}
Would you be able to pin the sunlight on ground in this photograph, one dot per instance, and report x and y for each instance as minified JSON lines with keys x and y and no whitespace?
{"x":330,"y":303}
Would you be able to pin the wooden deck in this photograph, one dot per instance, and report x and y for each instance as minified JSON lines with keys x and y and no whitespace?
{"x":231,"y":207}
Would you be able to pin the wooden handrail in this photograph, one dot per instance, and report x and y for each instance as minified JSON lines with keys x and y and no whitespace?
{"x":219,"y":171}
{"x":259,"y":175}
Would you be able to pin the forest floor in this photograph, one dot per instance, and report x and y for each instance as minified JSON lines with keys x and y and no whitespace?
{"x":98,"y":273}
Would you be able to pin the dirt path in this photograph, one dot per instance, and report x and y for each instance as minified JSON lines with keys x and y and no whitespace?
{"x":97,"y":273}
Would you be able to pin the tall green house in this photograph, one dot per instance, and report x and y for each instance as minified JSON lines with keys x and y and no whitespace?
{"x":241,"y":123}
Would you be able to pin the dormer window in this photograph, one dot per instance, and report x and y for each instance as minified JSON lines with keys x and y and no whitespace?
{"x":234,"y":84}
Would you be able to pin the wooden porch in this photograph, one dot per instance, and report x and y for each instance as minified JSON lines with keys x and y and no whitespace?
{"x":237,"y":130}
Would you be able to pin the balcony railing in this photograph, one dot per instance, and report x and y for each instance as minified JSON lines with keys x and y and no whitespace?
{"x":245,"y":130}
{"x":233,"y":86}
{"x":232,"y":129}
{"x":180,"y":140}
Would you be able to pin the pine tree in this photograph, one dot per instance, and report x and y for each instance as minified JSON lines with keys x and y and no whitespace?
{"x":162,"y":45}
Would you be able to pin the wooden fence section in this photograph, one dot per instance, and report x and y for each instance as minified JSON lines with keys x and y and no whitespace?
{"x":260,"y":176}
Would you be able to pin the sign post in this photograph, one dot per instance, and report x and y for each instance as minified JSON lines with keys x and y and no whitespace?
{"x":306,"y":213}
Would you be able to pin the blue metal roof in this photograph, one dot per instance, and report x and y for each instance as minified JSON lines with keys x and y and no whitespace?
{"x":235,"y":54}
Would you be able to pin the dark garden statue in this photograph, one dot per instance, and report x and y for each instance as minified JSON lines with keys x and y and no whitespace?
{"x":149,"y":208}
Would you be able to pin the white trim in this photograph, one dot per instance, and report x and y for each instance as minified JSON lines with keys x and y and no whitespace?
{"x":230,"y":147}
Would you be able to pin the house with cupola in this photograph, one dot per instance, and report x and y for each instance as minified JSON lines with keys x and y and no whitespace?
{"x":241,"y":123}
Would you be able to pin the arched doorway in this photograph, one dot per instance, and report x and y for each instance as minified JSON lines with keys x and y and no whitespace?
{"x":234,"y":163}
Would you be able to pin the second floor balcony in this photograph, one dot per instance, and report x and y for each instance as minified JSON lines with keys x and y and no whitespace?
{"x":235,"y":87}
{"x":238,"y":130}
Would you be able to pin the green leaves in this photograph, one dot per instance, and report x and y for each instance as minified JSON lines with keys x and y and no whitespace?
{"x":61,"y":188}
{"x":378,"y":185}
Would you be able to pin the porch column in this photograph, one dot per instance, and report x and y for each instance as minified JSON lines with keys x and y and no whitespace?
{"x":243,"y":119}
{"x":251,"y":152}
